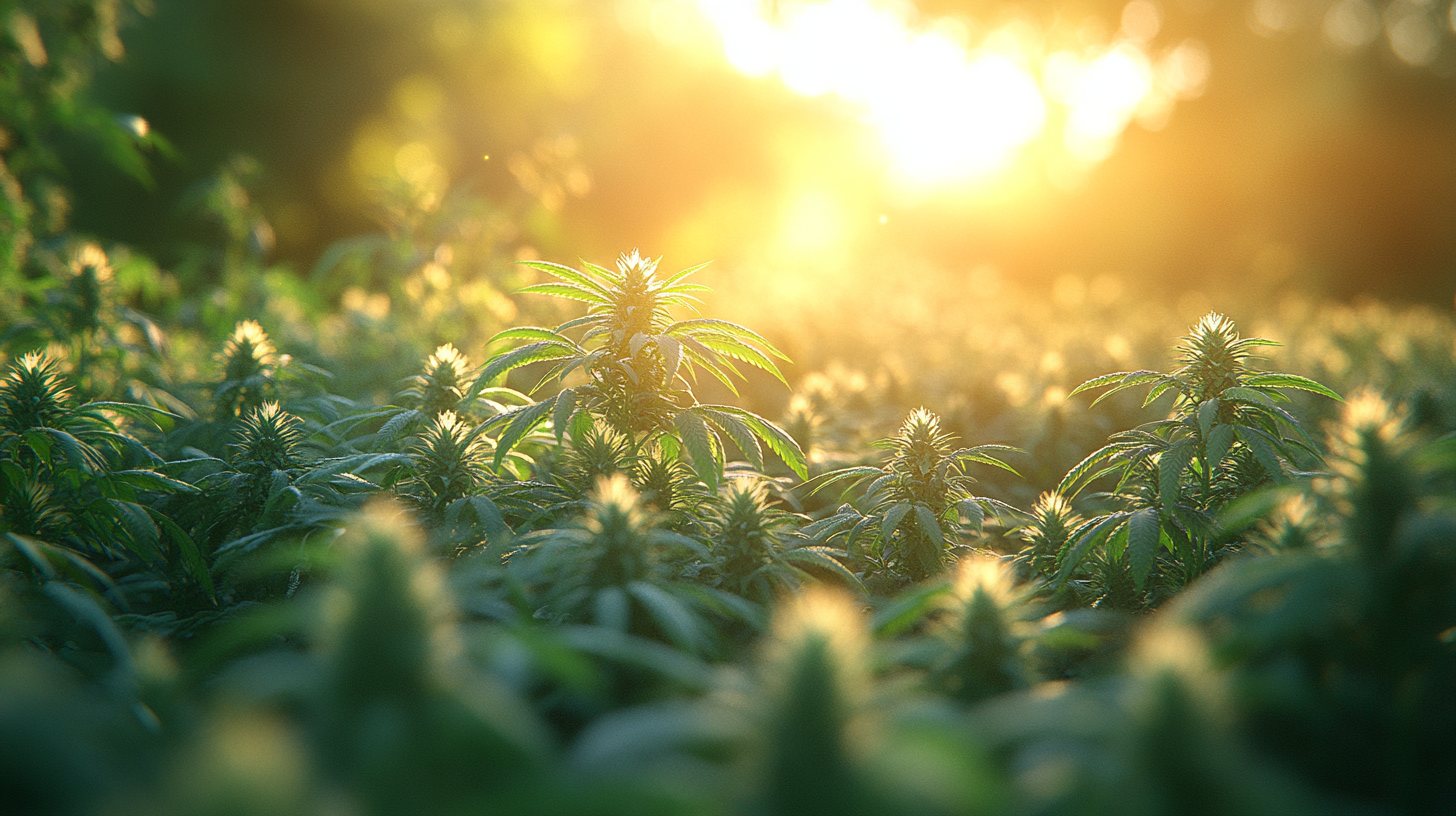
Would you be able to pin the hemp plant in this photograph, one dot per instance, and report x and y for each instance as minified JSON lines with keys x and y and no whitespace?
{"x":640,"y":366}
{"x":440,"y":387}
{"x":757,"y":551}
{"x":915,"y":503}
{"x":1226,"y":435}
{"x":73,"y":483}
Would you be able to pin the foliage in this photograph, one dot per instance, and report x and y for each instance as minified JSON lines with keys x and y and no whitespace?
{"x":918,"y":496}
{"x":225,"y":587}
{"x":622,"y":641}
{"x":640,"y":366}
{"x":616,"y":569}
{"x":754,"y":551}
{"x":1226,"y":436}
{"x":47,"y":60}
{"x":72,"y":480}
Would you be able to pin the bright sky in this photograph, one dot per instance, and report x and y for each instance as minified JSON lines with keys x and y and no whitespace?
{"x":950,"y":106}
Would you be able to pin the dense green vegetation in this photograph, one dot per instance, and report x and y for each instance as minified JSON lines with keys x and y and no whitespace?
{"x":269,"y":547}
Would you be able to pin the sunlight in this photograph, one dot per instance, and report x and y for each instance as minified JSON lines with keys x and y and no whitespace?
{"x":1106,"y":93}
{"x":949,"y":111}
{"x":812,"y":223}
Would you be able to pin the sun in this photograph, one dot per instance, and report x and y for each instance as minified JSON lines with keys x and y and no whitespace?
{"x":949,"y":110}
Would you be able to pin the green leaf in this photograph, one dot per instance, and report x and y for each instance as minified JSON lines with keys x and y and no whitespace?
{"x":693,"y":327}
{"x":561,"y":414}
{"x":526,"y":333}
{"x":738,"y":431}
{"x":1159,"y":390}
{"x":1123,"y":379}
{"x":707,"y":358}
{"x":979,"y":454}
{"x":930,"y":524}
{"x":396,"y":425}
{"x":1207,"y":415}
{"x":1096,"y":531}
{"x":670,"y":614}
{"x":1220,"y":439}
{"x":1117,"y":544}
{"x":1249,"y":395}
{"x":570,"y":275}
{"x":1263,"y":451}
{"x":565,"y":290}
{"x":1290,"y":381}
{"x":742,"y":352}
{"x":909,"y":607}
{"x":521,"y":422}
{"x":672,"y":354}
{"x":489,"y":516}
{"x":1143,"y":530}
{"x":698,"y":440}
{"x":972,"y":509}
{"x":1086,"y":471}
{"x":855,"y":474}
{"x":892,"y":519}
{"x":828,"y":526}
{"x":1131,"y":380}
{"x":656,"y":658}
{"x":38,"y":442}
{"x":505,"y":396}
{"x":44,"y":557}
{"x":775,"y":437}
{"x":581,"y":425}
{"x":1251,"y":508}
{"x":141,"y":532}
{"x":669,"y":282}
{"x":190,"y":554}
{"x":151,"y":480}
{"x":823,"y":560}
{"x":860,"y":529}
{"x":515,"y":358}
{"x":1170,"y":471}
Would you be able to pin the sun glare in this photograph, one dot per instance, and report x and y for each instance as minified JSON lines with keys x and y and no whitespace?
{"x":948,"y":110}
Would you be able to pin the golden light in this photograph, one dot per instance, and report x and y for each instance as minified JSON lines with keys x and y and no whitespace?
{"x":947,"y":110}
{"x":1104,"y":96}
{"x":813,"y":223}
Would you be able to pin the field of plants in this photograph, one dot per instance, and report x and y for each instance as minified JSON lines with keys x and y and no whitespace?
{"x":435,"y":529}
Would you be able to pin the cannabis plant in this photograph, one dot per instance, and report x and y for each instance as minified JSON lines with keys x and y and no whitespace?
{"x":757,"y":552}
{"x":249,"y":364}
{"x":799,"y":729}
{"x":615,"y":567}
{"x":443,"y":383}
{"x":72,"y":478}
{"x":595,"y":454}
{"x":640,"y":365}
{"x":449,"y":462}
{"x":441,"y":386}
{"x":1342,"y":643}
{"x":1046,"y":533}
{"x":811,"y":713}
{"x":389,"y":656}
{"x":915,"y":507}
{"x":447,"y":476}
{"x":272,"y":488}
{"x":1226,"y":435}
{"x":970,"y":632}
